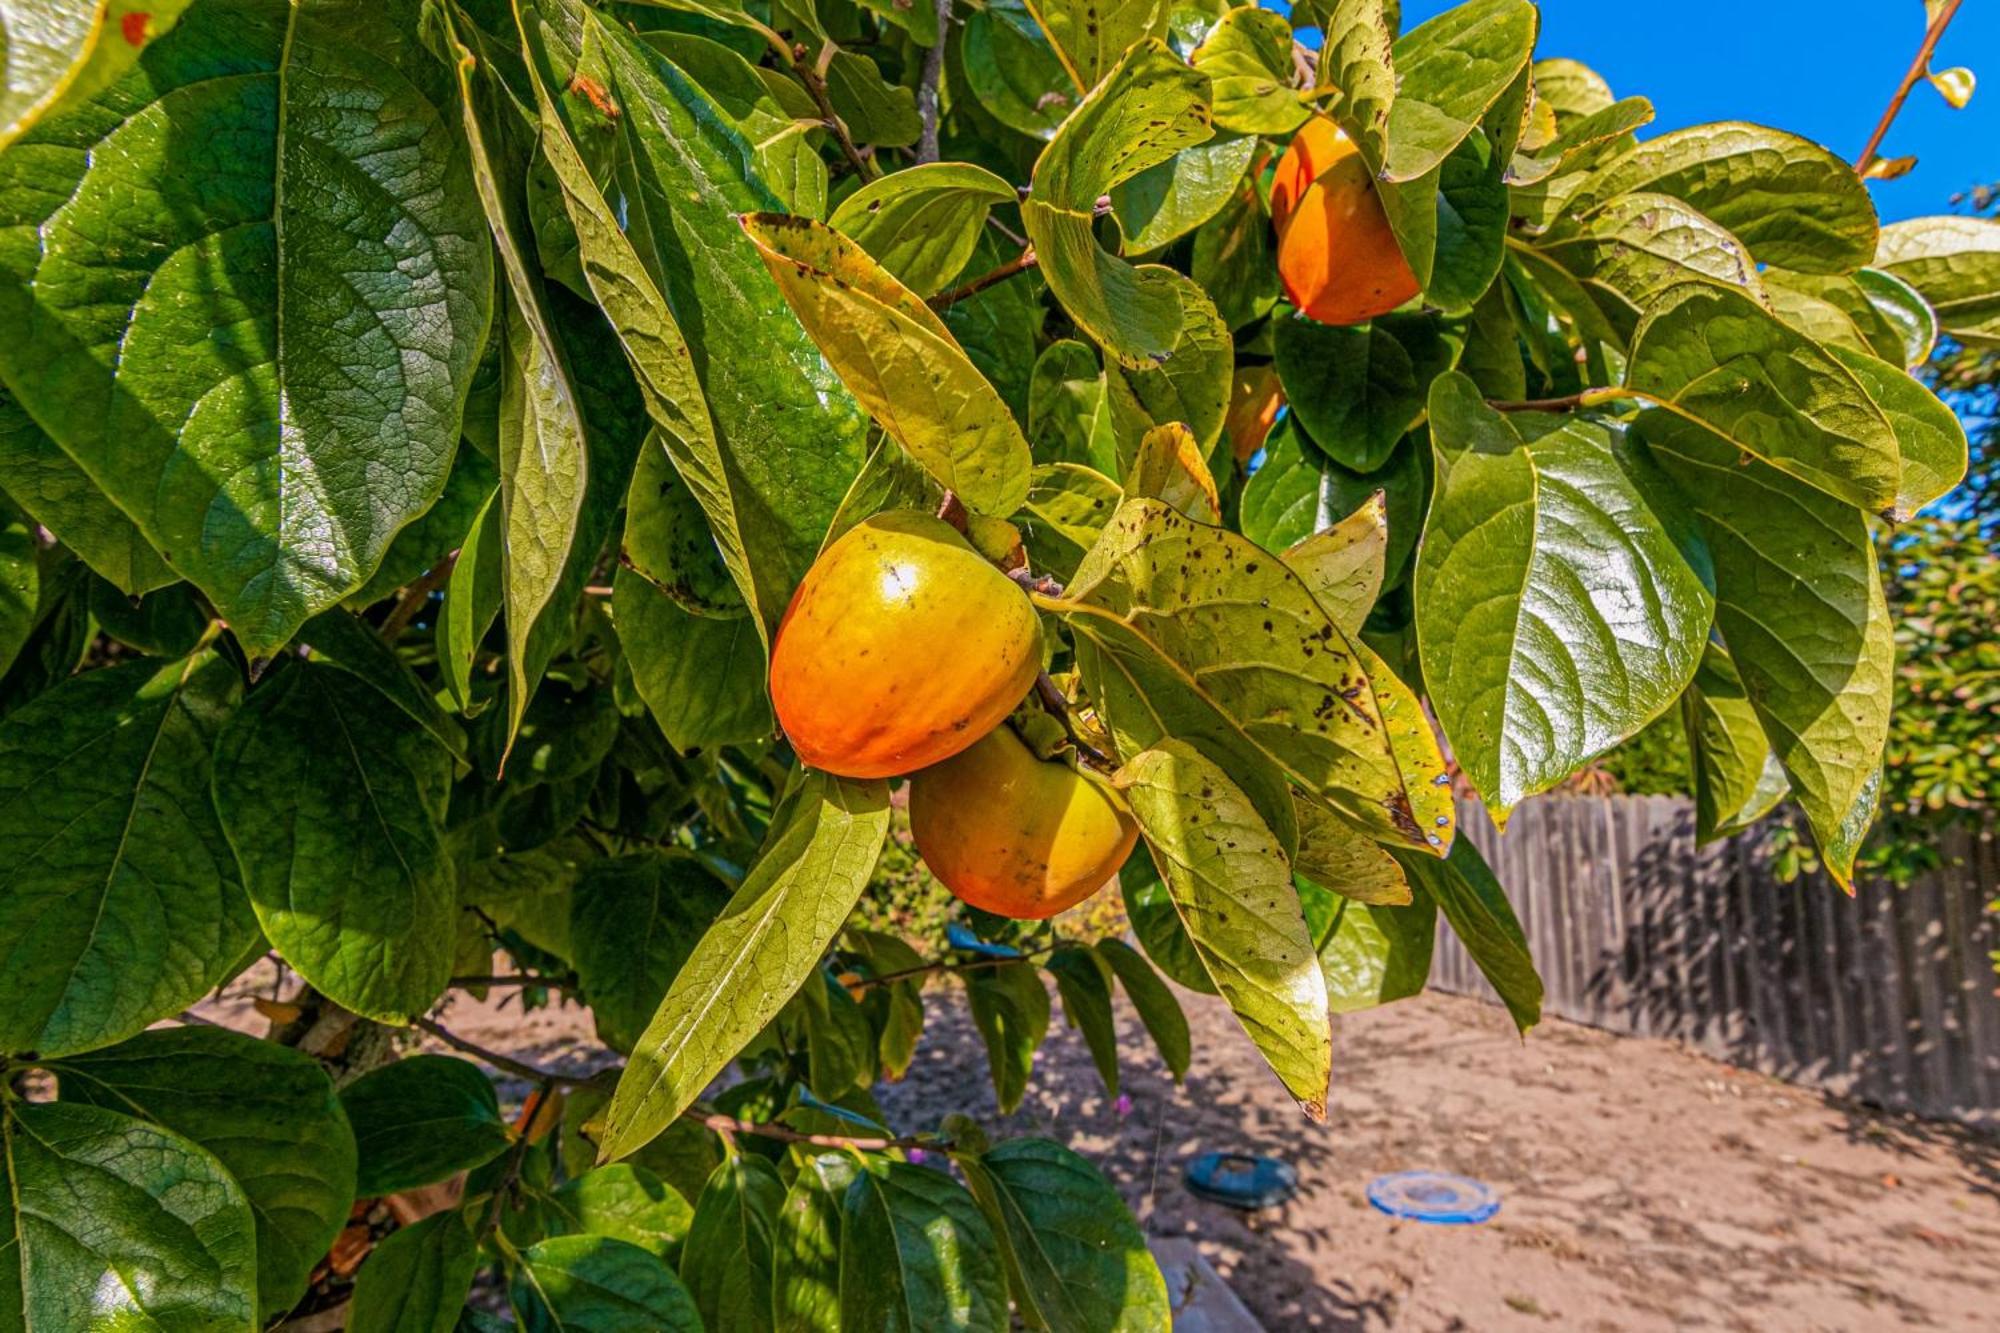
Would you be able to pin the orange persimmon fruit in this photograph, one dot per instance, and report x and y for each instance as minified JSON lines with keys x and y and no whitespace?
{"x":901,"y":647}
{"x":1255,"y":397}
{"x":1337,"y":258}
{"x":1015,"y":834}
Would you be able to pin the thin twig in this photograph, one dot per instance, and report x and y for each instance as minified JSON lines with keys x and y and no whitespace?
{"x":941,"y":967}
{"x":1021,"y":263}
{"x":930,"y":104}
{"x":1568,"y":402}
{"x":505,"y":1063}
{"x":1052,"y":700}
{"x":414,"y":597}
{"x":1910,"y":76}
{"x":812,"y":75}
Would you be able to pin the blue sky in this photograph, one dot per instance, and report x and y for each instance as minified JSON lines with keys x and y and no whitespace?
{"x":1821,"y":68}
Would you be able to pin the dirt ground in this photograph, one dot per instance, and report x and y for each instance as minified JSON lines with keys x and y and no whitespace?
{"x":1642,"y":1187}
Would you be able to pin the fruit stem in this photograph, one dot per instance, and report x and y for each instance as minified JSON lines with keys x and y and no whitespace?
{"x":1021,"y":263}
{"x":1052,"y":700}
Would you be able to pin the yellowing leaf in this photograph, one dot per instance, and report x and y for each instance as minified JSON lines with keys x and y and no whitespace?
{"x":899,"y":360}
{"x":1343,"y":564}
{"x":1169,"y":468}
{"x":1954,"y":85}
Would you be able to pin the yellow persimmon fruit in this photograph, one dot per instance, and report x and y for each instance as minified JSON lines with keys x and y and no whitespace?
{"x":1337,"y":258}
{"x":1015,"y":834}
{"x":901,"y":647}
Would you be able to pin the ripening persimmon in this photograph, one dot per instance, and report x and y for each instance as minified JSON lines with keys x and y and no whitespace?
{"x":1015,"y":834}
{"x":1337,"y":258}
{"x":901,"y":647}
{"x":1255,"y":398}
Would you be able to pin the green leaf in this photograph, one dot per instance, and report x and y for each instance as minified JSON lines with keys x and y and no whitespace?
{"x":1630,"y":252}
{"x":757,"y":424}
{"x":922,"y":224}
{"x":1339,"y":859}
{"x":1067,"y":507}
{"x":1793,"y":203}
{"x":335,"y":806}
{"x":119,"y":898}
{"x":39,"y":477}
{"x":1357,"y":63}
{"x":1080,"y":1257}
{"x":1799,"y":602}
{"x":595,"y":1284}
{"x":877,"y":112}
{"x":1955,"y":263}
{"x":267,"y":1113}
{"x":770,"y":111}
{"x":1555,"y":614}
{"x":471,"y":601}
{"x":1469,"y":221}
{"x":1714,"y":356}
{"x":1737,"y":778}
{"x":899,"y":360}
{"x":430,"y":540}
{"x":1449,"y":72}
{"x":1158,"y":1010}
{"x":916,"y":1255}
{"x":1928,"y":433}
{"x":1000,"y":327}
{"x":1090,"y":38}
{"x":58,"y":56}
{"x":1248,"y":58}
{"x":701,"y":678}
{"x":1156,"y":924}
{"x":1146,"y":110}
{"x":1371,"y":953}
{"x":1472,"y":901}
{"x":1068,"y":414}
{"x":420,"y":1120}
{"x":1342,"y":564}
{"x":816,"y":860}
{"x":1572,"y":89}
{"x":417,"y":1280}
{"x":1012,"y":71}
{"x":352,"y":644}
{"x":1235,"y":259}
{"x":269,"y":383}
{"x":727,"y":1259}
{"x":1261,"y":652}
{"x":805,"y":1281}
{"x":1582,"y":141}
{"x":167,"y":622}
{"x":1190,"y":387}
{"x":633,"y":922}
{"x":1170,"y":199}
{"x":117,"y":1224}
{"x":1232,"y":883}
{"x":1903,"y":312}
{"x":684,"y":1155}
{"x":1011,"y":1010}
{"x":1084,"y":982}
{"x":1357,"y":390}
{"x":626,"y":1202}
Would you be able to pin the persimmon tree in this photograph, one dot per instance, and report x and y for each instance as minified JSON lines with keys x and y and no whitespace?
{"x":537,"y":475}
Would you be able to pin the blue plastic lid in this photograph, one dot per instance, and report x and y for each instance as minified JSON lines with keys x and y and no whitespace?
{"x":1241,"y":1180}
{"x":960,"y":936}
{"x":1433,"y":1196}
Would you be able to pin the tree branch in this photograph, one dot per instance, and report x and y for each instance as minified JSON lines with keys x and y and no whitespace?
{"x":1021,"y":263}
{"x":1918,"y":66}
{"x":929,"y":100}
{"x":811,"y":75}
{"x":505,"y":1063}
{"x":941,"y":967}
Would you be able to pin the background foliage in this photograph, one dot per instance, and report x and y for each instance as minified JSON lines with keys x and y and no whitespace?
{"x":418,"y":414}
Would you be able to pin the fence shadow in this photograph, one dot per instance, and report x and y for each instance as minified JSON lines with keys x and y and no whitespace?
{"x":1886,"y":998}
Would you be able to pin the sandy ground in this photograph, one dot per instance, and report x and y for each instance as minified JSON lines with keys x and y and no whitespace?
{"x":1643,"y":1187}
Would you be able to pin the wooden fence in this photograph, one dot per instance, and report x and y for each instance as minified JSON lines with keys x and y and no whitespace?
{"x":1887,"y":997}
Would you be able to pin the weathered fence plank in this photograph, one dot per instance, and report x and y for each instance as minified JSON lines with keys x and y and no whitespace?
{"x":1888,"y":997}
